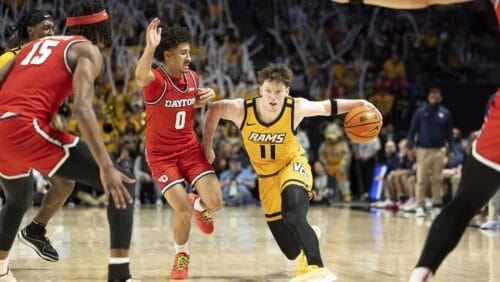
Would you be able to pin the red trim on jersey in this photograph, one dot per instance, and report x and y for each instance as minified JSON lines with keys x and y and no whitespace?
{"x":88,"y":19}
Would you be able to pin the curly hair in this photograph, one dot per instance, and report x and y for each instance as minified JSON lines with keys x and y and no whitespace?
{"x":171,"y":37}
{"x":101,"y":30}
{"x":31,"y":18}
{"x":276,"y":72}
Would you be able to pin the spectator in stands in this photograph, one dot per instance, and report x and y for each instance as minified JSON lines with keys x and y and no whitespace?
{"x":143,"y":178}
{"x":366,"y":154}
{"x":237,"y":183}
{"x":394,"y":66}
{"x":392,"y":163}
{"x":323,"y":186}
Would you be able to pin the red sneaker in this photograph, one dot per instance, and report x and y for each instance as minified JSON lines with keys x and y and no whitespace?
{"x":203,"y":219}
{"x":180,"y":267}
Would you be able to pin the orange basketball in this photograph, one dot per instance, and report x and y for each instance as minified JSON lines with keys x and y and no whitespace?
{"x":362,"y":124}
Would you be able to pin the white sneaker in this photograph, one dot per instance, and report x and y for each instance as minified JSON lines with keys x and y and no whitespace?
{"x":384,"y":204}
{"x":421,"y":274}
{"x":435,"y":212}
{"x":8,"y":277}
{"x":137,"y":202}
{"x":428,"y":203}
{"x":159,"y":203}
{"x":410,"y":208}
{"x":491,"y":225}
{"x":410,"y":201}
{"x":420,"y":212}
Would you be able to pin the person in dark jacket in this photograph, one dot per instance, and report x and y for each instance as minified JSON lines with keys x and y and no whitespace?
{"x":433,"y":126}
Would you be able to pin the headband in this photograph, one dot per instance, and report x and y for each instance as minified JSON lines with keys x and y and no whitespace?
{"x":88,"y":19}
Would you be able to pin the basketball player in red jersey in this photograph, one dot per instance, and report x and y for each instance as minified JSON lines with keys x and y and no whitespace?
{"x":55,"y":67}
{"x":32,"y":25}
{"x":174,"y":153}
{"x":480,"y":181}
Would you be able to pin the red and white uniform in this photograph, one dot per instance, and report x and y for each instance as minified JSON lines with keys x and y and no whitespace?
{"x":172,"y":147}
{"x":487,"y":146}
{"x":37,"y":85}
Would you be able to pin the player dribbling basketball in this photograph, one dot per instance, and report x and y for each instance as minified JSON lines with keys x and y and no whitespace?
{"x":268,"y":125}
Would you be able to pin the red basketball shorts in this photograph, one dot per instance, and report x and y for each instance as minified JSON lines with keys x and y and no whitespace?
{"x":26,"y":144}
{"x":169,"y":169}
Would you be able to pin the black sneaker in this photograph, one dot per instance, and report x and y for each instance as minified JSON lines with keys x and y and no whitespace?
{"x":39,"y":243}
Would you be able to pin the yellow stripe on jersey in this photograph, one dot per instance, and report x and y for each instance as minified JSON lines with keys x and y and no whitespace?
{"x":272,"y":146}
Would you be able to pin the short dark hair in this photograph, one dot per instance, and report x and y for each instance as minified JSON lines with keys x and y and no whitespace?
{"x":435,"y":90}
{"x":276,"y":72}
{"x":32,"y":17}
{"x":91,"y":31}
{"x":171,"y":37}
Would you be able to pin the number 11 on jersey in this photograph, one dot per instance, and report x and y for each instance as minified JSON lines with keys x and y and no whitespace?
{"x":271,"y":151}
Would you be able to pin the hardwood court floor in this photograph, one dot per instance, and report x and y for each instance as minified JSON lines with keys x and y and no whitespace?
{"x":356,"y":246}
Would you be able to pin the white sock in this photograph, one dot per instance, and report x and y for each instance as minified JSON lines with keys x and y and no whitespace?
{"x":118,"y":260}
{"x":181,"y":248}
{"x":4,"y":265}
{"x":421,"y":274}
{"x":197,"y":205}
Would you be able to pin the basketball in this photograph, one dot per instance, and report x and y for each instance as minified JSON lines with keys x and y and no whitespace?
{"x":362,"y":124}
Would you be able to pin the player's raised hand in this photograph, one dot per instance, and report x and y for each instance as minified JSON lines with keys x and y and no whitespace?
{"x":203,"y":96}
{"x":153,"y":33}
{"x":113,"y":183}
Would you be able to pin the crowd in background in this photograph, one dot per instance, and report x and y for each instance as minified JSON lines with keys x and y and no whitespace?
{"x":392,"y":58}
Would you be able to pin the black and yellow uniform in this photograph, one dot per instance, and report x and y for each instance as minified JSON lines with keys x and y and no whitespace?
{"x":276,"y":155}
{"x":8,"y":55}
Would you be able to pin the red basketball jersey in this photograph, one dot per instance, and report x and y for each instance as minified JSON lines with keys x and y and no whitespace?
{"x":25,"y":92}
{"x":487,"y":146}
{"x":170,"y":112}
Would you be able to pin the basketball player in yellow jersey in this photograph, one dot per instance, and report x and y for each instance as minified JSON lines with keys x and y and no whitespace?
{"x":268,"y":124}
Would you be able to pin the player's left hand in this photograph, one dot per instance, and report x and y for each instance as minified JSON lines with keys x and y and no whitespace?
{"x":209,"y":153}
{"x":203,"y":96}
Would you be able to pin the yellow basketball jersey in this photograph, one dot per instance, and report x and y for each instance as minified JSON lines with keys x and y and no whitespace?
{"x":8,"y":55}
{"x":272,"y":146}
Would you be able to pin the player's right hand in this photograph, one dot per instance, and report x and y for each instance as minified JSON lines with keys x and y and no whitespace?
{"x":153,"y":33}
{"x":113,"y":183}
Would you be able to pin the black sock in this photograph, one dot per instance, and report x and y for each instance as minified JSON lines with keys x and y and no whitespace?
{"x":36,"y":228}
{"x":118,"y":272}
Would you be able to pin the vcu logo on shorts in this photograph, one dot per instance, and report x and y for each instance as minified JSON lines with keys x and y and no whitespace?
{"x":276,"y":138}
{"x":299,"y":167}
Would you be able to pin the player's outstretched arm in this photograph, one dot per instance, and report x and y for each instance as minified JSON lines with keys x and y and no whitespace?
{"x":305,"y":108}
{"x":87,"y":62}
{"x":143,"y":73}
{"x":231,"y":110}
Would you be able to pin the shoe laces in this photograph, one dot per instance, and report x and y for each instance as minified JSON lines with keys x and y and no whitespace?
{"x":181,"y":261}
{"x":206,"y":217}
